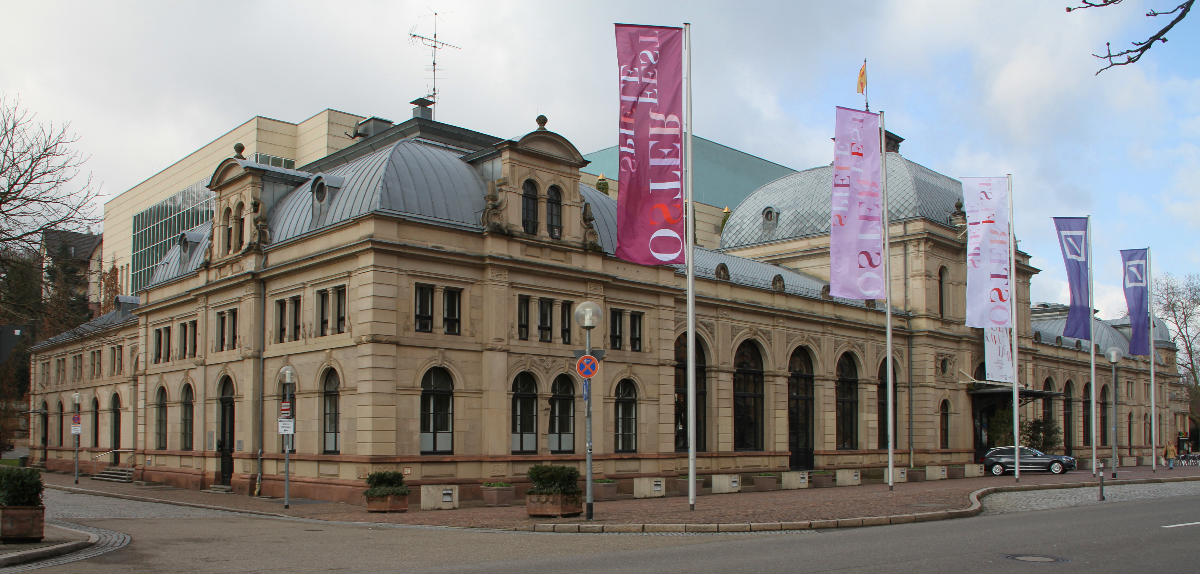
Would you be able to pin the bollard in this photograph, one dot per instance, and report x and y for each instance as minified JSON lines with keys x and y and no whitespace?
{"x":1101,"y":482}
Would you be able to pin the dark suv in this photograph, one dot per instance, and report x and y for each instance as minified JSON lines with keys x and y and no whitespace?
{"x":1000,"y":460}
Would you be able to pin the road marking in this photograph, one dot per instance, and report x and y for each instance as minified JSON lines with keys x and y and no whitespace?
{"x":1184,"y":524}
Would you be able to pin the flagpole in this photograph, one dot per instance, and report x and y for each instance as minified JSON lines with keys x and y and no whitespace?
{"x":690,"y":246}
{"x":1012,"y":307}
{"x":1091,"y":342}
{"x":887,"y":290}
{"x":1153,"y":390}
{"x":867,"y":100}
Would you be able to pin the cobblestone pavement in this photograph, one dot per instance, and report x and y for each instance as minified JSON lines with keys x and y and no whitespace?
{"x":748,"y":507}
{"x":1005,"y":502}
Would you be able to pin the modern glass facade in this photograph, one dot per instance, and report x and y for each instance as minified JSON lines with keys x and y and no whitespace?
{"x":155,"y":228}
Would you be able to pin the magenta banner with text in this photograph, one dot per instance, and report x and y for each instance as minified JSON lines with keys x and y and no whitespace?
{"x":856,"y":213}
{"x":650,"y":227}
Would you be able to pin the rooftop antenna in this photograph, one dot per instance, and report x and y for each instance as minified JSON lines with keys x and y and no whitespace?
{"x":434,"y":45}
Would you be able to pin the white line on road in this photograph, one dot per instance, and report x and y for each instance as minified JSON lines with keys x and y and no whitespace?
{"x":1184,"y":524}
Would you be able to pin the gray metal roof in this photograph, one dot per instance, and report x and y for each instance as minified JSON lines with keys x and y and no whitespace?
{"x":122,"y":315}
{"x":177,"y":262}
{"x":802,"y":202}
{"x":604,"y":209}
{"x":410,"y":178}
{"x":1105,"y":334}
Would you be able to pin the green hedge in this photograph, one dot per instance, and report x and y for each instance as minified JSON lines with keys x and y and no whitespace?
{"x":553,"y":479}
{"x":385,"y":483}
{"x":20,"y":486}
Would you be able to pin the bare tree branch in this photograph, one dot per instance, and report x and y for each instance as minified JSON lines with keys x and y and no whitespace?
{"x":1139,"y":49}
{"x":38,"y":169}
{"x":1177,"y":301}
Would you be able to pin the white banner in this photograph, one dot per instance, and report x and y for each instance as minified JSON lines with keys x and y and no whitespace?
{"x":997,"y":350}
{"x":988,"y":285}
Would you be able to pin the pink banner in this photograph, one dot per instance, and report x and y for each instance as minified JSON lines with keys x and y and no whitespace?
{"x":650,"y":153}
{"x":856,"y":213}
{"x":989,"y":287}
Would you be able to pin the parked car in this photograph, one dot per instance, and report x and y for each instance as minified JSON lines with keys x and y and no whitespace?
{"x":1000,"y":460}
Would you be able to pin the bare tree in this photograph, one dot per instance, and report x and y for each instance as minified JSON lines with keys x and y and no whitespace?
{"x":1139,"y":49}
{"x":1177,"y":301}
{"x":38,"y":188}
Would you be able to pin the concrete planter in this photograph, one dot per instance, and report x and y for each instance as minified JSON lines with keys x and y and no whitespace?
{"x":389,"y":503}
{"x":764,"y":483}
{"x":956,"y":472}
{"x":822,"y":480}
{"x":553,"y":504}
{"x":679,"y":486}
{"x":498,"y":495}
{"x":22,"y":523}
{"x":916,"y":475}
{"x":604,"y":490}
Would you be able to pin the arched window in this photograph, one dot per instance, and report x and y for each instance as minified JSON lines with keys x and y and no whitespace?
{"x":95,"y":422}
{"x":329,"y":398}
{"x":187,"y":418}
{"x":1146,"y":438}
{"x":437,"y":412}
{"x":554,"y":211}
{"x":1048,"y":401}
{"x":881,"y":404}
{"x":524,"y":414}
{"x":626,"y":417}
{"x":847,"y":403}
{"x":45,"y":420}
{"x":115,"y":442}
{"x":1104,"y":415}
{"x":61,"y":421}
{"x":944,"y":425}
{"x":801,"y":413}
{"x":981,"y":372}
{"x":529,"y":207}
{"x":160,"y":419}
{"x":681,"y":418}
{"x":1088,"y":411}
{"x":1068,"y":428}
{"x":227,"y":225}
{"x":239,"y":221}
{"x":562,"y":415}
{"x":1129,"y":431}
{"x":748,"y":398}
{"x":943,"y":285}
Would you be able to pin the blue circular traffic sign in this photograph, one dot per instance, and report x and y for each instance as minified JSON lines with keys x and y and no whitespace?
{"x":586,"y":366}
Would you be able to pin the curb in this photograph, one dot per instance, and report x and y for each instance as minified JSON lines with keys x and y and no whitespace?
{"x":36,"y":554}
{"x":974,"y":508}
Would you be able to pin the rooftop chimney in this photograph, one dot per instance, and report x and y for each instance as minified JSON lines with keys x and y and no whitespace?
{"x":371,"y":127}
{"x":891,"y":142}
{"x":423,"y":108}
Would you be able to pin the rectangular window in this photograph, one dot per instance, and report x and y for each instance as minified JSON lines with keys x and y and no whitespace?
{"x":452,"y":311}
{"x":294,"y":305}
{"x":523,"y":317}
{"x":231,"y":341}
{"x":220,"y":331}
{"x":119,"y":366}
{"x":424,"y":309}
{"x":339,"y":300}
{"x":322,"y":313}
{"x":635,"y":331}
{"x":157,"y":345}
{"x":564,"y":321}
{"x":616,"y":320}
{"x":183,"y":340}
{"x":281,"y":318}
{"x":195,"y":339}
{"x":166,"y":348}
{"x":545,"y":320}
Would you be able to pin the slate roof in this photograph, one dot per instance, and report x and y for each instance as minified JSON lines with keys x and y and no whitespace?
{"x":82,"y":244}
{"x":123,"y":314}
{"x":802,"y":203}
{"x":184,"y":256}
{"x":1050,"y":327}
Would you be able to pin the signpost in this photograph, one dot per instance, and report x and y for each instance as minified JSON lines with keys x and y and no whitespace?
{"x":287,"y":428}
{"x":76,"y":428}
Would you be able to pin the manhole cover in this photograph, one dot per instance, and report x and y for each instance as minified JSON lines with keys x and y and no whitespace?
{"x":1035,"y":558}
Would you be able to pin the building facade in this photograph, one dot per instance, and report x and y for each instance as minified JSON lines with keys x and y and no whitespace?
{"x":410,"y":298}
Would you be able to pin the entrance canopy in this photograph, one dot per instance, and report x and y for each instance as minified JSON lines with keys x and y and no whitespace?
{"x":998,"y":389}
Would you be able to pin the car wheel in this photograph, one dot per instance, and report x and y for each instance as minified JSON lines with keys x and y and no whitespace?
{"x":1056,"y":467}
{"x":997,"y":469}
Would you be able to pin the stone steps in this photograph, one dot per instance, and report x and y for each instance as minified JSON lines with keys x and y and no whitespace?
{"x":115,"y":474}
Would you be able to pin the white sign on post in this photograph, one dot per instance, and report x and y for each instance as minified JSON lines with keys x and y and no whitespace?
{"x":287,"y":426}
{"x":76,"y":429}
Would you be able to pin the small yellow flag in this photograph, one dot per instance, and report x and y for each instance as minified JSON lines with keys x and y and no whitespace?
{"x":862,"y":78}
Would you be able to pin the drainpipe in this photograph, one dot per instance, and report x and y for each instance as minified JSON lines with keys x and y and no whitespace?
{"x":260,"y":341}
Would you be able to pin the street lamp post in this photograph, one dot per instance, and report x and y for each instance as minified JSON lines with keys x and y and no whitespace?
{"x":588,"y":315}
{"x":1114,"y":357}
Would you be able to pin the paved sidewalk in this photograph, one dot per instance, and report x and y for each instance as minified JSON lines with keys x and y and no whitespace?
{"x":58,"y":541}
{"x":818,"y":507}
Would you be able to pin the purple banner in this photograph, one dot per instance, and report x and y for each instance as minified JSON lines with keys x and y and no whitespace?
{"x":989,"y":288}
{"x":856,"y":212}
{"x":1073,"y":240}
{"x":650,"y":149}
{"x":1137,"y":298}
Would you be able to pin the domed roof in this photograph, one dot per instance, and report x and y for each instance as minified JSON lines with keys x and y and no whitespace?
{"x":798,"y":205}
{"x":414,"y":179}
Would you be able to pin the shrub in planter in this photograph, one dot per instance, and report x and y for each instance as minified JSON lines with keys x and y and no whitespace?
{"x":498,"y":493}
{"x":22,"y":516}
{"x":386,"y":492}
{"x":554,"y":491}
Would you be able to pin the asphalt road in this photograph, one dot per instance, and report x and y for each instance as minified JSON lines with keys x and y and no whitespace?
{"x":1126,"y":536}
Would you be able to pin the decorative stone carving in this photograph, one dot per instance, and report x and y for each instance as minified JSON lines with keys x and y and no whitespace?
{"x":591,"y":238}
{"x":493,"y":211}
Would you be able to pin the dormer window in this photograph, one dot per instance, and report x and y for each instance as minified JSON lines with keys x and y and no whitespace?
{"x":769,"y":215}
{"x":320,"y":190}
{"x":722,"y":272}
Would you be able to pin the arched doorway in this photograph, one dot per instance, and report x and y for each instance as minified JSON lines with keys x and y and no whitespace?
{"x":225,"y":439}
{"x":116,"y":429}
{"x":748,"y":398}
{"x":681,"y":417}
{"x":800,"y":409}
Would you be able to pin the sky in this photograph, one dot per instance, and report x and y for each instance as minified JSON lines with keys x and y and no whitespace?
{"x":977,"y":88}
